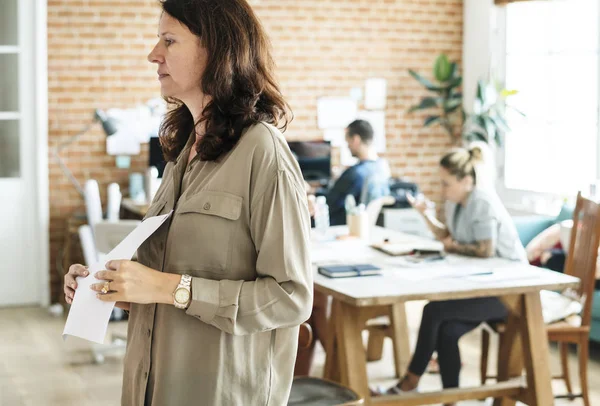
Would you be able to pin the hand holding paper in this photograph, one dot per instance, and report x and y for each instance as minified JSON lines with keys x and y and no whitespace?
{"x":132,"y":282}
{"x":89,"y":316}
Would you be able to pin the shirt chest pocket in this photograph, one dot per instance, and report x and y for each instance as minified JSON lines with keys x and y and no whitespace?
{"x":204,"y":231}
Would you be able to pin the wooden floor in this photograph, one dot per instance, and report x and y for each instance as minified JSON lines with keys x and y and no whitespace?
{"x":38,"y":368}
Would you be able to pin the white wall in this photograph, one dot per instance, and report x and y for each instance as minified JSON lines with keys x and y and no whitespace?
{"x":477,"y":45}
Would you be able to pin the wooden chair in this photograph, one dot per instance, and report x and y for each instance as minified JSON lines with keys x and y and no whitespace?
{"x":309,"y":391}
{"x":581,"y":263}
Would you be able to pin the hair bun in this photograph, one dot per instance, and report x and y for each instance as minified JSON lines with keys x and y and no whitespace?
{"x":476,"y":154}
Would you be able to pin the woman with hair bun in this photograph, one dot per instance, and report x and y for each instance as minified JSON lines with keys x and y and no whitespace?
{"x":477,"y":225}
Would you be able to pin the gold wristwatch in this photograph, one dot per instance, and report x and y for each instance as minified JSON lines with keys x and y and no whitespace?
{"x":183,"y":293}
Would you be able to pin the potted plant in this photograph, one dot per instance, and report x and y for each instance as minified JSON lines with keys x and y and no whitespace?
{"x":488,"y":120}
{"x":445,"y":104}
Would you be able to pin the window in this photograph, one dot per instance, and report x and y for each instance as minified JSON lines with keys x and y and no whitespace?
{"x":552,"y":59}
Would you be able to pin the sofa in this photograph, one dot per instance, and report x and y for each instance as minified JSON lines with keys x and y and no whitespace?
{"x":528,"y":226}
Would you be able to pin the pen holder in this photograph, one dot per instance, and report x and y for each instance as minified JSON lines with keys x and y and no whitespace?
{"x":358,"y":225}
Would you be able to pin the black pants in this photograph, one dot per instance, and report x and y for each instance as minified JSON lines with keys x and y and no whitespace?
{"x":442,"y":325}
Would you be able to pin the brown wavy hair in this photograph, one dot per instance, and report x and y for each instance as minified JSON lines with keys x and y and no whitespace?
{"x":239,"y":78}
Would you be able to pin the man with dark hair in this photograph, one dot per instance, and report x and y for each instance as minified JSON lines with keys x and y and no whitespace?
{"x":366,"y":181}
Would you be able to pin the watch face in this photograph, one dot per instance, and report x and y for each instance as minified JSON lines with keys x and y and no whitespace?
{"x":182,"y":296}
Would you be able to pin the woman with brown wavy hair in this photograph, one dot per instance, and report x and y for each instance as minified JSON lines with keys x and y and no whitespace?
{"x":220,"y":289}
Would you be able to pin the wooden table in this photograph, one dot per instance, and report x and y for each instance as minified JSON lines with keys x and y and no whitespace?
{"x":355,"y":300}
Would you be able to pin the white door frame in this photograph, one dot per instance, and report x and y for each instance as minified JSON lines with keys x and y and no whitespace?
{"x":39,"y":143}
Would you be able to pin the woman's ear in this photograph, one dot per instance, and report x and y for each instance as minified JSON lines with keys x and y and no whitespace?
{"x":468,"y":183}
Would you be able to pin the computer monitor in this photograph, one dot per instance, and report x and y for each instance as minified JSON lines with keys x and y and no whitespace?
{"x":314,"y":158}
{"x":156,"y":157}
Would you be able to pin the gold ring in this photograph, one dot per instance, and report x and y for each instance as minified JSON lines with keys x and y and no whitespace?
{"x":106,"y":287}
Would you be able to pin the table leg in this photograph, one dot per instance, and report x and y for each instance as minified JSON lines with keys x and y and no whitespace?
{"x":332,"y":364}
{"x":510,"y":359}
{"x":536,"y":351}
{"x":400,"y":338}
{"x":352,"y":356}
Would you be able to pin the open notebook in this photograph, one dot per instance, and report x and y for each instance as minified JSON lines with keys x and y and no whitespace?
{"x":410,"y":247}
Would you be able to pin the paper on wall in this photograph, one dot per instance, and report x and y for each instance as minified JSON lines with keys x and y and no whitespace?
{"x":375,"y":93}
{"x":336,"y":136}
{"x":89,"y":316}
{"x":335,"y":112}
{"x":122,"y":143}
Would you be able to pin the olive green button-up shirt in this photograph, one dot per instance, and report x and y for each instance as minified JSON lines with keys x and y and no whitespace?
{"x":240,"y":228}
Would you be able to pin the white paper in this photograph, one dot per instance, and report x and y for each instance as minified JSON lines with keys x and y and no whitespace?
{"x":375,"y":94}
{"x":88,"y":317}
{"x":335,"y":112}
{"x":122,"y":143}
{"x":356,"y":93}
{"x":140,"y":122}
{"x":336,"y":136}
{"x":434,"y":270}
{"x":377,"y":121}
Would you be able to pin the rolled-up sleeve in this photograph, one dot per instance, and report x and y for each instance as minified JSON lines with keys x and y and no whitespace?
{"x":281,"y":296}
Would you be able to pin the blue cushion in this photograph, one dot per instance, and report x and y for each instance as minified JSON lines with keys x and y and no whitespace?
{"x":566,"y":213}
{"x":595,"y":331}
{"x":596,"y":305}
{"x":531,"y":225}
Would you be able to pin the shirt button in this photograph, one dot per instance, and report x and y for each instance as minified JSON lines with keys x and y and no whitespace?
{"x":145,"y":374}
{"x":149,"y":332}
{"x":207,"y":206}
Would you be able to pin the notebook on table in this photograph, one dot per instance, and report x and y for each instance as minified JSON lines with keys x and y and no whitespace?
{"x":410,"y":248}
{"x":348,"y":271}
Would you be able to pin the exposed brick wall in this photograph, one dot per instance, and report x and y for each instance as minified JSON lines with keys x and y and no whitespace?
{"x":97,"y":59}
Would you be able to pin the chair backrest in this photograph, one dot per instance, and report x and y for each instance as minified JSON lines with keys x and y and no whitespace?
{"x":583,"y":251}
{"x":305,"y":336}
{"x":374,"y":207}
{"x":113,"y":202}
{"x":108,"y":234}
{"x":90,"y":255}
{"x":93,"y":204}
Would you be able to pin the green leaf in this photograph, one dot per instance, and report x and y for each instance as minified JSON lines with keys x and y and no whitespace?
{"x":445,"y":123}
{"x":431,"y":120}
{"x":481,"y":91}
{"x":426,"y":103}
{"x":425,"y":82}
{"x":498,"y":140}
{"x":478,"y":119}
{"x":490,"y":127}
{"x":504,"y":93}
{"x":442,"y":69}
{"x":451,"y":105}
{"x":516,"y":110}
{"x":454,"y":83}
{"x":475,"y":136}
{"x":501,"y":123}
{"x":453,"y":69}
